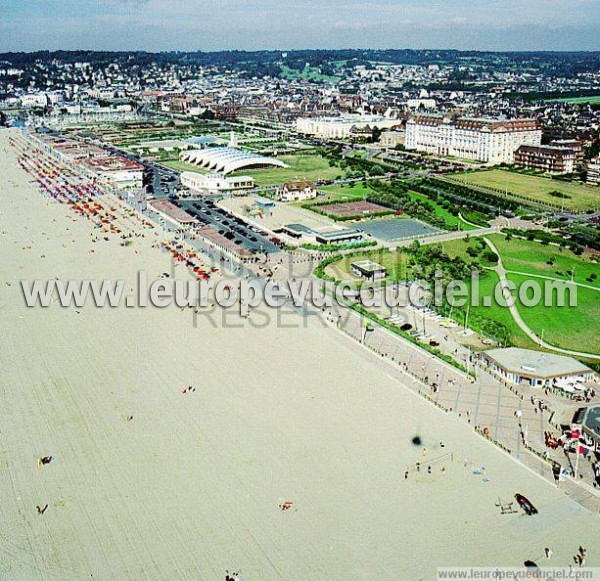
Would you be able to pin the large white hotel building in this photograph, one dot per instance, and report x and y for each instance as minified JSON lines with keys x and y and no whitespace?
{"x":341,"y":127}
{"x":488,"y":140}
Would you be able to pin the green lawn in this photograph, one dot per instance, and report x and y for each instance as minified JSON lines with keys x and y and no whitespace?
{"x":538,"y":188}
{"x":346,"y":192}
{"x":397,"y":265}
{"x":575,"y":100}
{"x":458,"y":247}
{"x":452,"y":222}
{"x":526,"y":256}
{"x":568,"y":327}
{"x":395,"y":262}
{"x":184,"y":166}
{"x":496,"y":312}
{"x":303,"y":167}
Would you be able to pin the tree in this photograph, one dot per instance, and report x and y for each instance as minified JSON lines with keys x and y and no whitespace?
{"x":375,"y":134}
{"x":593,"y":150}
{"x":489,"y":256}
{"x":207,"y":115}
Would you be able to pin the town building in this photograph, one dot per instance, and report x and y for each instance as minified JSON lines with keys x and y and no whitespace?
{"x":555,"y":160}
{"x":172,"y":213}
{"x":391,"y":138}
{"x":119,"y":172}
{"x":323,"y":236}
{"x":593,"y":171}
{"x":368,"y":270}
{"x":489,"y":140}
{"x":159,"y":145}
{"x":342,"y":127}
{"x":421,"y":104}
{"x":206,"y":184}
{"x":296,"y":191}
{"x":535,"y":368}
{"x":573,"y":144}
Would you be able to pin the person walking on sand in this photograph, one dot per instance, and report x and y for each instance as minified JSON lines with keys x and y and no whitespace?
{"x":41,"y":510}
{"x":548,"y":553}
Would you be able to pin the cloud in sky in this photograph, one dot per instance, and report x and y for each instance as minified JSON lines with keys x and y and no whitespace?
{"x":273,"y":24}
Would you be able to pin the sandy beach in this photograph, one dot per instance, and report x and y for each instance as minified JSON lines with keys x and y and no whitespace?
{"x":192,"y":485}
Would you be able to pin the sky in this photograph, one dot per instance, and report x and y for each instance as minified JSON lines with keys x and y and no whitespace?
{"x":159,"y":25}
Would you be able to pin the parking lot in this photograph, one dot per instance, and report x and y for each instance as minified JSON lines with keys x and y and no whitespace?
{"x":164,"y":181}
{"x":235,"y":229}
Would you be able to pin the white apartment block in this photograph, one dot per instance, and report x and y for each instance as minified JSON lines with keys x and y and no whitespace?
{"x":593,"y":171}
{"x":341,"y":127}
{"x":488,"y":140}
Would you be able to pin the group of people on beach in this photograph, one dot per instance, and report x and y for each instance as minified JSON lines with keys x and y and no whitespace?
{"x":428,"y":469}
{"x":580,"y":557}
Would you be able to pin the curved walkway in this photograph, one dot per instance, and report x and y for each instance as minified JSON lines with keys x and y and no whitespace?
{"x":501,"y":271}
{"x":581,"y":284}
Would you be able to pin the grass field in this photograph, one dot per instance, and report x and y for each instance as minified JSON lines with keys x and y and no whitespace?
{"x":304,"y":167}
{"x":498,"y":313}
{"x":395,"y":262}
{"x":397,"y":265}
{"x":526,"y":256}
{"x":568,"y":327}
{"x":452,"y":222}
{"x":184,"y":166}
{"x":341,"y":192}
{"x":576,"y":100}
{"x":535,"y":187}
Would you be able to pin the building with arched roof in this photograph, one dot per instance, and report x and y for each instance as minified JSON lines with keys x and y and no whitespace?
{"x":227,"y":159}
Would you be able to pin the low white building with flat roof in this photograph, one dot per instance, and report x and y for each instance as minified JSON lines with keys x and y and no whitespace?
{"x":206,"y":184}
{"x":368,"y":270}
{"x":536,"y":368}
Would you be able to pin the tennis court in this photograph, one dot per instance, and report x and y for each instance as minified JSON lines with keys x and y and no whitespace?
{"x":397,"y":229}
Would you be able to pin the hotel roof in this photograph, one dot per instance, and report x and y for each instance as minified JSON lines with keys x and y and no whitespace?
{"x":478,"y":123}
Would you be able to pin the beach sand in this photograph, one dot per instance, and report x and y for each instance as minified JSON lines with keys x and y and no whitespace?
{"x":191,"y":486}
